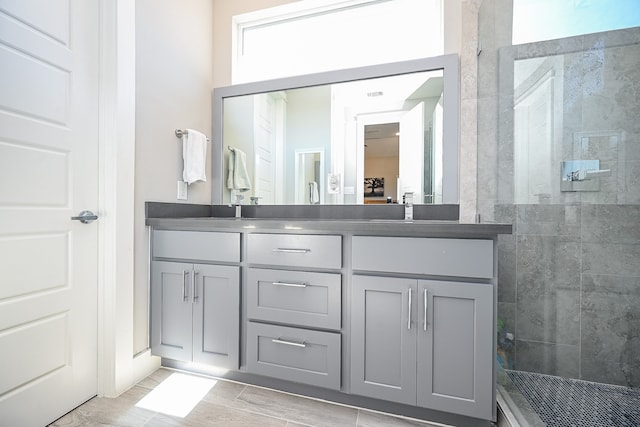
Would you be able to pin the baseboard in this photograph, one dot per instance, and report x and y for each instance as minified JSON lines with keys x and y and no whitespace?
{"x":144,"y":364}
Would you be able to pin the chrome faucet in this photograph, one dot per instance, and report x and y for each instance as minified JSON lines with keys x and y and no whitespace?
{"x":408,"y":206}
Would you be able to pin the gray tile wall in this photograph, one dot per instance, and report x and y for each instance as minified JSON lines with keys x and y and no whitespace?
{"x":569,"y":290}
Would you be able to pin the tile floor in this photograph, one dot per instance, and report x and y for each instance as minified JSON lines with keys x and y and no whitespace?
{"x":227,"y":404}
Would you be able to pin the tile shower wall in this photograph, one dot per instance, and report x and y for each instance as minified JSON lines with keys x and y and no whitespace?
{"x":569,"y":276}
{"x":570,"y":290}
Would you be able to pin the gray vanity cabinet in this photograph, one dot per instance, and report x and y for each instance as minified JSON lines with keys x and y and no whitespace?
{"x":195,"y":313}
{"x":195,"y":307}
{"x":423,"y":342}
{"x":356,"y":314}
{"x":420,"y":341}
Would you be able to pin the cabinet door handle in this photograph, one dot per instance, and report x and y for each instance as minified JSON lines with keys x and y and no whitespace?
{"x":290,"y":285}
{"x":409,"y":316}
{"x":426,"y":302}
{"x":291,"y":343}
{"x":185,"y":297}
{"x":292,"y":250}
{"x":194,"y":287}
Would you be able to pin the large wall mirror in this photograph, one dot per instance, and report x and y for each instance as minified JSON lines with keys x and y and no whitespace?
{"x":358,"y":136}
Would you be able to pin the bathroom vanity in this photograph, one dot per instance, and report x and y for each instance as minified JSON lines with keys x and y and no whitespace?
{"x":328,"y":296}
{"x":386,"y":314}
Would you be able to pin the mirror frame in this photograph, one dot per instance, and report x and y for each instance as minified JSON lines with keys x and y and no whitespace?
{"x":451,"y":107}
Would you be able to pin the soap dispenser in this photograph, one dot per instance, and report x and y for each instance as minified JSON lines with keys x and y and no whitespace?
{"x":408,"y":206}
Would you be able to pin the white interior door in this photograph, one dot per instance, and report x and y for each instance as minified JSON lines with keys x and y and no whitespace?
{"x":49,"y":57}
{"x":362,"y":121}
{"x":412,"y":153}
{"x":411,"y":150}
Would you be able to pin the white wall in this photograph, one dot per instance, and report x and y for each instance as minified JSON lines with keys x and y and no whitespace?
{"x":174,"y":49}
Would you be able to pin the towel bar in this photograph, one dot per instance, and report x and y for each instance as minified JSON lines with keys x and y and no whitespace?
{"x":180,"y":133}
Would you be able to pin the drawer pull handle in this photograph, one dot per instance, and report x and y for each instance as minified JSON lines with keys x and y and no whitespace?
{"x":195,"y":287}
{"x":290,"y":285}
{"x":291,"y":343}
{"x":292,"y":250}
{"x":426,"y":307}
{"x":185,"y":297}
{"x":409,"y":306}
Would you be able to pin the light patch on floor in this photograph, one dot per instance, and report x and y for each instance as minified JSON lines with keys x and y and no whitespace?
{"x":177,"y":395}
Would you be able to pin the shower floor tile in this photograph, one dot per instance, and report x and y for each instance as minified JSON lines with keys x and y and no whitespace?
{"x":564,"y":402}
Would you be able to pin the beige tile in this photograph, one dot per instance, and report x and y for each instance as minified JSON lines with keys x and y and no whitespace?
{"x":162,"y":420}
{"x":113,"y":412}
{"x":72,"y":419}
{"x":155,"y":378}
{"x":224,"y":392}
{"x":209,"y":414}
{"x":295,"y":409}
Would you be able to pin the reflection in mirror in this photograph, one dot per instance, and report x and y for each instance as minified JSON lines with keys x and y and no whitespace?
{"x":381,"y":163}
{"x":359,"y":141}
{"x":309,"y":171}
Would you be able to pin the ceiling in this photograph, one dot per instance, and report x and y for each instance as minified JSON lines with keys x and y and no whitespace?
{"x":381,"y":140}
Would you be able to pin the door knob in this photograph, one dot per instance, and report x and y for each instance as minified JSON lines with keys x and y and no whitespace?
{"x":85,"y":217}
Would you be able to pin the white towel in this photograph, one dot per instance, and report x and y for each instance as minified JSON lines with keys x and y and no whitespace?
{"x":194,"y":155}
{"x":238,"y":178}
{"x":314,"y":196}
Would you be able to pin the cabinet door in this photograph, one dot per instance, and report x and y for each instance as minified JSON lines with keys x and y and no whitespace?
{"x":455,"y":348}
{"x":171,"y":310}
{"x":216,"y":315}
{"x":383,"y":338}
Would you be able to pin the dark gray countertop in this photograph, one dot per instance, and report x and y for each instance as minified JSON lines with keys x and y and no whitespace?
{"x":431,"y":220}
{"x":373,"y":227}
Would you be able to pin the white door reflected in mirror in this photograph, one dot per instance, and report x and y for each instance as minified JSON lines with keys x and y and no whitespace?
{"x":309,"y":170}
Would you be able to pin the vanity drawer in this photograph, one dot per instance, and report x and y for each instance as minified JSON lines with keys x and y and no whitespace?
{"x":196,"y":245}
{"x":294,"y":354}
{"x":442,"y":257}
{"x":294,"y":297}
{"x":295,"y":250}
